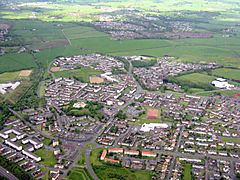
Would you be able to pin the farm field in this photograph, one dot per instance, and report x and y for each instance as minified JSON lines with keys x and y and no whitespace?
{"x":106,"y":172}
{"x":79,"y":173}
{"x":16,"y":62}
{"x":82,"y":74}
{"x":233,"y":74}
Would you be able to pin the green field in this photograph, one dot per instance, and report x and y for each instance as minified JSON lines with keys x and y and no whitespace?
{"x":79,"y":174}
{"x":232,"y":74}
{"x":81,"y":74}
{"x":187,"y":172}
{"x":107,"y":172}
{"x":11,"y":76}
{"x":15,"y":62}
{"x":48,"y":158}
{"x":143,"y":119}
{"x":231,"y":139}
{"x":13,"y":96}
{"x":195,"y":80}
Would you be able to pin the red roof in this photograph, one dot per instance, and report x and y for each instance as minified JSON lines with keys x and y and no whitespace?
{"x":236,"y":95}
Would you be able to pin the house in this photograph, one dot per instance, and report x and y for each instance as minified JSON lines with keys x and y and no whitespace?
{"x":31,"y":155}
{"x":111,"y":160}
{"x":115,"y":150}
{"x":104,"y":154}
{"x":149,"y":154}
{"x":131,"y":152}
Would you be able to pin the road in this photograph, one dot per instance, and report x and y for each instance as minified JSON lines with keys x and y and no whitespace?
{"x":30,"y":125}
{"x":88,"y":164}
{"x":176,"y":150}
{"x":8,"y":175}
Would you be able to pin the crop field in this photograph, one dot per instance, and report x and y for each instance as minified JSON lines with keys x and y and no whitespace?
{"x":15,"y":62}
{"x":82,"y":74}
{"x":80,"y":32}
{"x":233,"y":74}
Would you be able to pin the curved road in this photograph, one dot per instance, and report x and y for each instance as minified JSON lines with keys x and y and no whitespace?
{"x":6,"y":174}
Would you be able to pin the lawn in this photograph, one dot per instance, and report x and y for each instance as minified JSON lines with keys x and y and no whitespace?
{"x":79,"y":173}
{"x":107,"y":172}
{"x":187,"y":172}
{"x":48,"y":158}
{"x":143,"y":119}
{"x":47,"y":141}
{"x":231,"y":139}
{"x":228,"y":73}
{"x":81,"y":161}
{"x":81,"y":74}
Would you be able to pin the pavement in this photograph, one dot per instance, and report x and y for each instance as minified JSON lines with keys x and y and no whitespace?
{"x":7,"y":174}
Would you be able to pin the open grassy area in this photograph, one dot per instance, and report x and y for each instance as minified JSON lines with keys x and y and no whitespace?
{"x":13,"y":96}
{"x":48,"y":158}
{"x":79,"y":173}
{"x":231,"y":139}
{"x":229,"y":73}
{"x":81,"y":161}
{"x":15,"y":62}
{"x":107,"y":172}
{"x":187,"y":172}
{"x":194,"y":81}
{"x":10,"y":76}
{"x":81,"y":74}
{"x":47,"y":141}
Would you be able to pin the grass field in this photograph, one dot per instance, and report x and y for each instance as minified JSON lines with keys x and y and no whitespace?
{"x":143,"y":119}
{"x":11,"y":76}
{"x":106,"y":172}
{"x":195,"y":80}
{"x":233,"y":74}
{"x":187,"y":172}
{"x":48,"y":158}
{"x":82,"y":74}
{"x":13,"y":96}
{"x":79,"y":174}
{"x":16,"y":62}
{"x":47,"y":141}
{"x":231,"y":139}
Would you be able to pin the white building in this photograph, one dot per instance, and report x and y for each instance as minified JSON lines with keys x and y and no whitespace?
{"x":152,"y":126}
{"x":31,"y":155}
{"x":222,"y":84}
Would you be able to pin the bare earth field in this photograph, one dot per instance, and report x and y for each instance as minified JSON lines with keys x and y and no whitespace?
{"x":25,"y":73}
